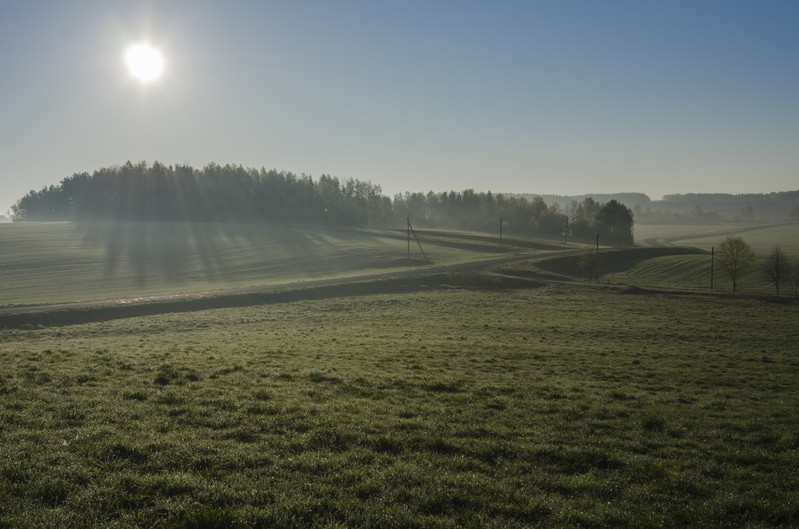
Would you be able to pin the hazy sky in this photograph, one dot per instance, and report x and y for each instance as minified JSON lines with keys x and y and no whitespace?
{"x":560,"y":96}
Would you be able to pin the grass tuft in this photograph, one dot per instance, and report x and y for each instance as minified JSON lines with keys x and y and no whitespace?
{"x":208,"y":518}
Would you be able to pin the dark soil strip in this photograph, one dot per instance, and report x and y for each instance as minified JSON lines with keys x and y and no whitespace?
{"x":86,"y":314}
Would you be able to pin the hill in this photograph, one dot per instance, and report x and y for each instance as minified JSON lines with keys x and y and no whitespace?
{"x":59,"y":262}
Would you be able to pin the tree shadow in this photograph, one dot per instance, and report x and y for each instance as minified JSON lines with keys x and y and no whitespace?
{"x":150,"y":249}
{"x":148,"y":253}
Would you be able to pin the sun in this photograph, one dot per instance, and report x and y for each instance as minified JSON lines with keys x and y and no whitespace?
{"x":144,"y":62}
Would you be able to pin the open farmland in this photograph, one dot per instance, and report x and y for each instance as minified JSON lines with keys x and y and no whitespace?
{"x":693,"y":271}
{"x":556,"y":406}
{"x":459,"y":399}
{"x":762,"y":238}
{"x":658,"y":234}
{"x":674,"y":256}
{"x":666,"y":267}
{"x":52,"y":262}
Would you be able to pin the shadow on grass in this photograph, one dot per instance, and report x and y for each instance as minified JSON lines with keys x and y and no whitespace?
{"x":180,"y":252}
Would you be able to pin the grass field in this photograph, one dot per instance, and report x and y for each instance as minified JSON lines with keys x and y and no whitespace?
{"x":666,"y":267}
{"x":446,"y":401}
{"x":644,"y":232}
{"x":762,"y":239}
{"x":661,"y":267}
{"x":557,"y":406}
{"x":65,"y":262}
{"x":675,"y":271}
{"x":693,"y":271}
{"x":45,"y":263}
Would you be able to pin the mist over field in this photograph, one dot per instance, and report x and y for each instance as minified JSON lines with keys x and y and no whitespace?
{"x":441,"y":265}
{"x":230,"y":347}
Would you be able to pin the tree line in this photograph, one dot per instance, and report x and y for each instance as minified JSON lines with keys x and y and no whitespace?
{"x":235,"y":193}
{"x":213,"y":193}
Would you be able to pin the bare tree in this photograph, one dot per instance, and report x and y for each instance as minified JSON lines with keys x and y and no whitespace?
{"x":735,"y":258}
{"x":776,"y":268}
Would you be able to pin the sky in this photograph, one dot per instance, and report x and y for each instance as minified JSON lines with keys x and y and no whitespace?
{"x":534,"y":96}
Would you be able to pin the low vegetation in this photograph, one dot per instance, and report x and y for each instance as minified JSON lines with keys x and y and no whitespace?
{"x":555,"y":406}
{"x":57,"y":262}
{"x":460,"y":399}
{"x":734,"y":267}
{"x":762,"y":238}
{"x":639,"y":266}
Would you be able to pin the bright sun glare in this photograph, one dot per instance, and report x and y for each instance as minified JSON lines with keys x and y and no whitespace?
{"x":144,"y":62}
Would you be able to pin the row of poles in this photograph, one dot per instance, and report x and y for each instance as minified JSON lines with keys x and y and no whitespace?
{"x":410,"y":231}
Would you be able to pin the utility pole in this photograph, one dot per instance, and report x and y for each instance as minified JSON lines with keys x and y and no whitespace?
{"x":566,"y":232}
{"x":712,"y":265}
{"x":408,"y":235}
{"x":596,"y":258}
{"x":411,"y":230}
{"x":500,"y":232}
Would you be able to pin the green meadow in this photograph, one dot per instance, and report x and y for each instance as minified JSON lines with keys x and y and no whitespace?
{"x":549,"y":406}
{"x":657,"y":232}
{"x":684,"y":265}
{"x":762,"y":238}
{"x":59,"y":262}
{"x":683,"y":269}
{"x":497,"y":399}
{"x":693,"y":271}
{"x":663,"y":267}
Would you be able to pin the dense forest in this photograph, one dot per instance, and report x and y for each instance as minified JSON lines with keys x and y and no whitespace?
{"x":234,"y":193}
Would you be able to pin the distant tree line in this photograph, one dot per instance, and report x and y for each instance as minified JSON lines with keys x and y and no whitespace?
{"x":234,"y":193}
{"x":471,"y":210}
{"x":743,"y":207}
{"x":696,"y":208}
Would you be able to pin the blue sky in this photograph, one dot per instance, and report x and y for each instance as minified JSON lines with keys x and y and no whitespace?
{"x":564,"y":97}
